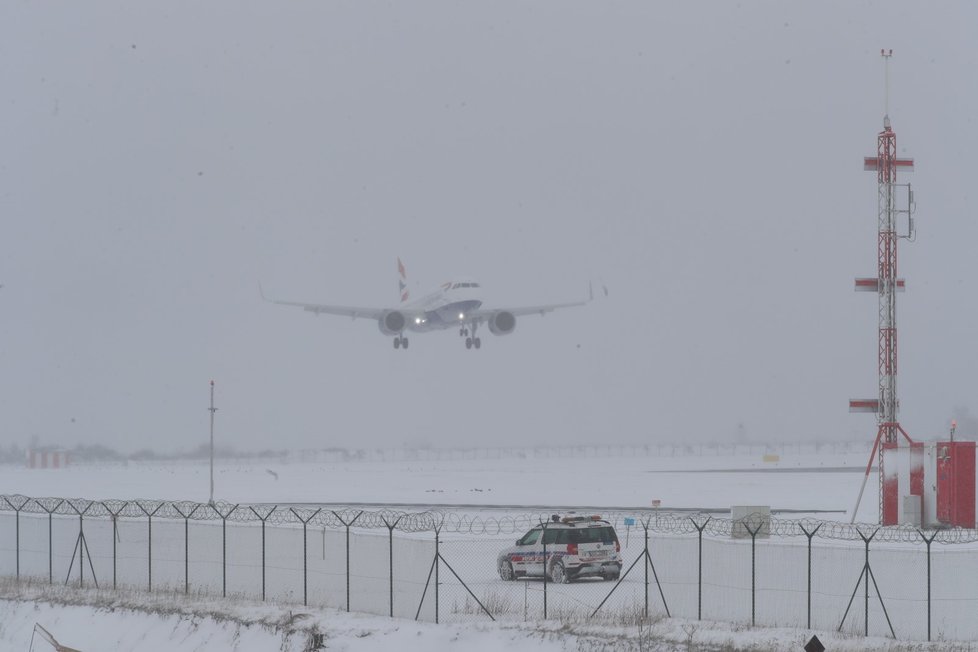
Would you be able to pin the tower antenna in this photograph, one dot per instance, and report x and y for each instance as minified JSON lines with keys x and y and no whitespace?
{"x":212,"y":410}
{"x":886,"y":54}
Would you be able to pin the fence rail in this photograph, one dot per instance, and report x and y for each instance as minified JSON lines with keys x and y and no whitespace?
{"x":443,"y":565}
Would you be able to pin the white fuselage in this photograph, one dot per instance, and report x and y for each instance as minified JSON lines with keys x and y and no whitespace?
{"x":445,"y":307}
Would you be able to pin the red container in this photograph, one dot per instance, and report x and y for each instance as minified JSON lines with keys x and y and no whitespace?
{"x":956,"y":483}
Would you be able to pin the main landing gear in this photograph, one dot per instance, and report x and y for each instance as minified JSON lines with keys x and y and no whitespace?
{"x":470,"y":340}
{"x":400,"y":342}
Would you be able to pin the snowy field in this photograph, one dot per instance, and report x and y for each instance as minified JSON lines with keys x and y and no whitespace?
{"x":796,"y":482}
{"x":477,"y":487}
{"x":88,"y":621}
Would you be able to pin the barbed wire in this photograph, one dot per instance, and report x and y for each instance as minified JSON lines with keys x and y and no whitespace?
{"x":460,"y":522}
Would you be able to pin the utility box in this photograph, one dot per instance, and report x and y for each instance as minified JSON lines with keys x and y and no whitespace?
{"x":956,"y":483}
{"x":911,"y":511}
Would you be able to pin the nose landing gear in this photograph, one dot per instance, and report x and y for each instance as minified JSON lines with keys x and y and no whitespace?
{"x":400,"y":342}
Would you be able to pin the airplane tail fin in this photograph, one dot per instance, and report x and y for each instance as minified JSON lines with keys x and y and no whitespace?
{"x":402,"y":282}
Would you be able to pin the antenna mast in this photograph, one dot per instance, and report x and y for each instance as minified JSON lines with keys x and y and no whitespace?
{"x":212,"y":410}
{"x":886,"y":285}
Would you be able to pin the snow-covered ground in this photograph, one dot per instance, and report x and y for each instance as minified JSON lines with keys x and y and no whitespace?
{"x":797,"y":482}
{"x":107,"y":622}
{"x":160,"y":621}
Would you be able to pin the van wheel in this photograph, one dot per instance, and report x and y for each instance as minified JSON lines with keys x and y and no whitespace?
{"x":611,"y":576}
{"x":506,"y":571}
{"x":557,"y":573}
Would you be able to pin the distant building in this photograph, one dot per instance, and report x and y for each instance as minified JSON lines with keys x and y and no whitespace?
{"x":54,"y":459}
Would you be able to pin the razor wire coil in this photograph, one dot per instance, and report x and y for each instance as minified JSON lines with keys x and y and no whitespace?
{"x":460,"y":522}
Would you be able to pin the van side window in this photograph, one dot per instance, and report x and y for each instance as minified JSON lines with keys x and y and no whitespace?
{"x":530,"y":537}
{"x":554,"y":536}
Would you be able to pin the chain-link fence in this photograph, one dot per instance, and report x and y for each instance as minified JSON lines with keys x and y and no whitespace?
{"x":445,"y":566}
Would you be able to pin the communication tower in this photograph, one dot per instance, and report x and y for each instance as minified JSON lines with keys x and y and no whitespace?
{"x":895,"y":203}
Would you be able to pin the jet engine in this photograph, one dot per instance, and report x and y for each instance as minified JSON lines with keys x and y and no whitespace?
{"x":502,"y":323}
{"x":392,"y":322}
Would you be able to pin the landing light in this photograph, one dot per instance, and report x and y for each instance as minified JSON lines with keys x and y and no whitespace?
{"x":417,"y":320}
{"x":461,"y":315}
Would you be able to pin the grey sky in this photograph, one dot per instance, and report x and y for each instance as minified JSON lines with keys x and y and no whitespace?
{"x":703,"y":160}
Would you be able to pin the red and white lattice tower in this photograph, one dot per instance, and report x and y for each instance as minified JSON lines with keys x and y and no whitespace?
{"x":886,"y":285}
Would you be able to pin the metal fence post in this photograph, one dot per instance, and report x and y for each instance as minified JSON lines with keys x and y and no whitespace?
{"x":437,"y":564}
{"x":867,"y":572}
{"x":348,"y":553}
{"x":305,"y":549}
{"x":50,"y":548}
{"x":646,"y":565}
{"x":224,"y":546}
{"x":646,"y":558}
{"x":149,"y":560}
{"x":186,"y":544}
{"x":150,"y":556}
{"x":50,"y":513}
{"x":263,"y":519}
{"x":753,"y":569}
{"x":115,"y":535}
{"x":17,"y":528}
{"x":390,"y":550}
{"x":810,"y":535}
{"x":699,"y":581}
{"x":546,"y":578}
{"x":81,"y":548}
{"x":928,"y":542}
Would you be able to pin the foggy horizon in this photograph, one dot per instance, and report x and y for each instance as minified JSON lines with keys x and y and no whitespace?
{"x":704,"y":163}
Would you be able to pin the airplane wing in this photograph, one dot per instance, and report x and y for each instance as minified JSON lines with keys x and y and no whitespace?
{"x":326,"y":309}
{"x":484,"y":314}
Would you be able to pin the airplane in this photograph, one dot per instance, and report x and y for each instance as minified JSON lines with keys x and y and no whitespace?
{"x":454,"y":304}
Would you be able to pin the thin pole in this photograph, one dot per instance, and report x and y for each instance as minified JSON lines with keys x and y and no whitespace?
{"x":699,"y":581}
{"x":928,"y":591}
{"x":886,"y":84}
{"x":115,"y":534}
{"x":647,"y":561}
{"x":866,"y":614}
{"x":753,"y":572}
{"x":224,"y":557}
{"x":212,"y":410}
{"x":81,"y":541}
{"x":390,"y":552}
{"x":543,"y":536}
{"x":390,"y":566}
{"x":263,"y":519}
{"x":928,"y":542}
{"x":17,"y":517}
{"x":437,"y":559}
{"x":810,"y":535}
{"x":186,"y":555}
{"x":50,"y":548}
